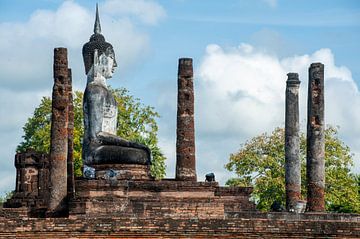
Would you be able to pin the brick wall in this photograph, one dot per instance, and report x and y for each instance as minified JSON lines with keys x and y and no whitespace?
{"x":14,"y":224}
{"x":165,"y":198}
{"x":171,"y":209}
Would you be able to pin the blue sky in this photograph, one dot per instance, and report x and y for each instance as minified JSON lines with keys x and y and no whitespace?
{"x":240,"y":48}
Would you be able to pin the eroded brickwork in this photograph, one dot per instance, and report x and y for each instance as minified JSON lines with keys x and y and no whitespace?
{"x":235,"y":225}
{"x":160,"y":199}
{"x":123,"y":172}
{"x":185,"y":132}
{"x":315,"y":160}
{"x":32,"y":178}
{"x":70,"y":131}
{"x":59,"y":133}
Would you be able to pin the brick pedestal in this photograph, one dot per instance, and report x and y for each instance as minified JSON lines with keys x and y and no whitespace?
{"x":123,"y":172}
{"x":159,"y":199}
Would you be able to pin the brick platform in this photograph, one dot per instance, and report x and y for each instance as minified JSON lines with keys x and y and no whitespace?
{"x":15,"y":224}
{"x":124,"y":171}
{"x":110,"y":208}
{"x":163,"y":199}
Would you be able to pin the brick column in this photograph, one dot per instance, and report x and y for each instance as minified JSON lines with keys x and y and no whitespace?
{"x":292,"y":142}
{"x":59,"y":134}
{"x":70,"y":156}
{"x":315,"y":162}
{"x":185,"y":132}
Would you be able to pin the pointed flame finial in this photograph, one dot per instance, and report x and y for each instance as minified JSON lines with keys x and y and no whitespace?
{"x":97,"y":27}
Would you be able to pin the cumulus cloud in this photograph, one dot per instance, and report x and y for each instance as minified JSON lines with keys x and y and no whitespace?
{"x":228,"y":79}
{"x":27,"y":46}
{"x":149,"y":12}
{"x":271,"y":3}
{"x":240,"y":92}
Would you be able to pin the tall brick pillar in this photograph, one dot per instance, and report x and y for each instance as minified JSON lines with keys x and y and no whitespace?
{"x":59,"y":134}
{"x":315,"y":162}
{"x":292,"y":142}
{"x":185,"y":132}
{"x":70,"y":157}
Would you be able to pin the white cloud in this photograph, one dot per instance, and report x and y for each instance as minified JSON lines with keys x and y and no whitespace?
{"x":149,"y":12}
{"x":271,"y":3}
{"x":240,"y":93}
{"x":246,"y":83}
{"x":27,"y":46}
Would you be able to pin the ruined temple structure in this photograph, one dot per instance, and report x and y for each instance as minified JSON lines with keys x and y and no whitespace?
{"x":118,"y":198}
{"x":122,"y":185}
{"x":32,"y":182}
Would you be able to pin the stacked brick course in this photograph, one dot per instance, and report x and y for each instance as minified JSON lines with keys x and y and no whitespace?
{"x":239,"y":225}
{"x":32,"y":177}
{"x":166,"y":198}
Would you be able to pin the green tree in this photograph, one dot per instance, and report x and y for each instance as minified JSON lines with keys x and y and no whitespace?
{"x":5,"y":197}
{"x":260,"y":163}
{"x":136,"y":122}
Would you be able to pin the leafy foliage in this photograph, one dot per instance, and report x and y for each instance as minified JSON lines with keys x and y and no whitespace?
{"x":37,"y":129}
{"x":260,"y":163}
{"x":136,"y":122}
{"x":5,"y":197}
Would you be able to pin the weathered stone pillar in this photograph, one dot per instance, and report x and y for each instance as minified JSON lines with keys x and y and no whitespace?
{"x":59,"y":134}
{"x":292,"y":142}
{"x":70,"y":156}
{"x":185,"y":132}
{"x":315,"y":162}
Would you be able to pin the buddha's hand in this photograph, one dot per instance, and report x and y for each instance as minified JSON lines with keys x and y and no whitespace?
{"x":111,"y":139}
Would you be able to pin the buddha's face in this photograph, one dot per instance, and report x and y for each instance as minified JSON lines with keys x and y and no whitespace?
{"x":108,"y":64}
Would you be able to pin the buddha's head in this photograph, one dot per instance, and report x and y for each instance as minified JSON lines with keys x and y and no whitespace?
{"x":104,"y":64}
{"x":105,"y":50}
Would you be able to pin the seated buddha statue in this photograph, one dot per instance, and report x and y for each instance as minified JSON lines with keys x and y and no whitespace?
{"x":101,"y":145}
